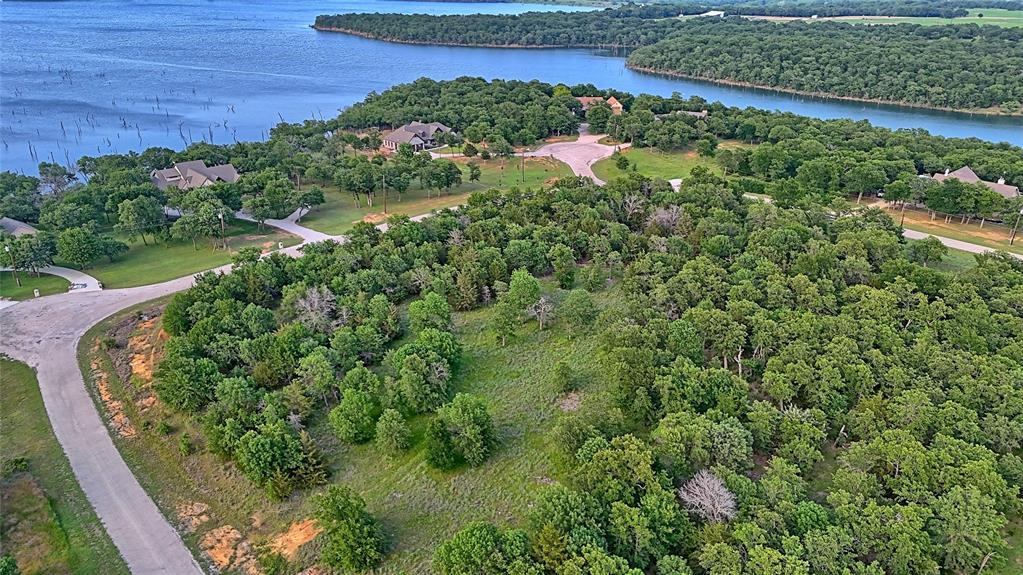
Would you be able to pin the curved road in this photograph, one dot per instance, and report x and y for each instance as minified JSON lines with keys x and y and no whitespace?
{"x":44,"y":333}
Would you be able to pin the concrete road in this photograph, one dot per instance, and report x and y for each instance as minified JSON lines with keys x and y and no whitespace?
{"x":579,"y":155}
{"x":44,"y":333}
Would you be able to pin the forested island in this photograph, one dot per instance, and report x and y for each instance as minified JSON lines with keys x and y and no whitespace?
{"x":962,"y":67}
{"x":629,"y":378}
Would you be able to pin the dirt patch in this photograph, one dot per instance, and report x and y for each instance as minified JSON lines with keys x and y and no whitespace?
{"x":114,"y":408}
{"x":192,"y":515}
{"x":146,"y":348}
{"x":228,"y":550}
{"x":31,"y":532}
{"x":571,"y":401}
{"x":314,"y":570}
{"x":300,"y":533}
{"x":375,"y":218}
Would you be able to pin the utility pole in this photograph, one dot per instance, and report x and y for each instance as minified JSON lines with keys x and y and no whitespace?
{"x":14,"y":266}
{"x":522,"y":167}
{"x":383,"y":185}
{"x":1012,"y":238}
{"x":223,"y":231}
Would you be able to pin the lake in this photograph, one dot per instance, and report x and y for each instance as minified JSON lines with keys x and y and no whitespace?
{"x":89,"y":77}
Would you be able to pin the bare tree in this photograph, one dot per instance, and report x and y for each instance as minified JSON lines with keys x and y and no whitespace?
{"x":632,"y":205}
{"x":707,"y":496}
{"x":421,"y":277}
{"x":316,"y":309}
{"x":666,"y":218}
{"x":456,"y":238}
{"x":542,"y":310}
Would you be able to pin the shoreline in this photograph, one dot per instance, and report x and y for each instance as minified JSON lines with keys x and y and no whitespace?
{"x":372,"y":36}
{"x":821,"y":95}
{"x":671,"y":74}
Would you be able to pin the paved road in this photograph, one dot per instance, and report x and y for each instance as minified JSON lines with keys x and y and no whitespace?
{"x":44,"y":333}
{"x":289,"y":225}
{"x":579,"y":155}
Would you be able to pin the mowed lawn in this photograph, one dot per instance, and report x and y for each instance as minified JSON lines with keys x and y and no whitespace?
{"x":980,"y":16}
{"x":993,"y":236}
{"x":418,"y":506}
{"x":48,"y":524}
{"x":654,"y":163}
{"x":339,"y":213}
{"x":46,"y":284}
{"x":162,"y":261}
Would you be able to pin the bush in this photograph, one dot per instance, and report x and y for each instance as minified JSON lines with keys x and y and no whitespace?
{"x":352,"y":538}
{"x":13,"y":465}
{"x":164,"y":428}
{"x":562,"y":377}
{"x":465,"y":432}
{"x":185,"y":445}
{"x":354,"y":419}
{"x":392,"y":433}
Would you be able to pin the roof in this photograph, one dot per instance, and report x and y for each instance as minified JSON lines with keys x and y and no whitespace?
{"x":193,"y":174}
{"x":16,"y":228}
{"x":966,"y":174}
{"x":613,"y":102}
{"x":412,"y":131}
{"x":588,"y":101}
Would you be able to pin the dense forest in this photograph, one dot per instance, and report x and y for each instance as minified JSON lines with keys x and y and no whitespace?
{"x":954,"y":67}
{"x":627,"y":27}
{"x":780,"y":390}
{"x":942,"y":66}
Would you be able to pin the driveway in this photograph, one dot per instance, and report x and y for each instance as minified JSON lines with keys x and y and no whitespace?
{"x":579,"y":155}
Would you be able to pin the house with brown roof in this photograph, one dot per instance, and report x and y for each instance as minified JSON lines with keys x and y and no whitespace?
{"x":194,"y":174}
{"x":17,"y":228}
{"x":419,"y":135}
{"x":966,"y":174}
{"x":590,"y":101}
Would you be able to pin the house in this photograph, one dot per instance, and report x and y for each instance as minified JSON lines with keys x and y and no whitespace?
{"x":419,"y":135}
{"x":966,"y":174}
{"x":16,"y":228}
{"x":616,"y":106}
{"x":712,"y":14}
{"x":590,"y":101}
{"x":194,"y":174}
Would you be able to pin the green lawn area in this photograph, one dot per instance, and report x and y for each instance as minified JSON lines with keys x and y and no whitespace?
{"x":955,"y":261}
{"x":339,"y":213}
{"x":48,"y":524}
{"x":163,"y":261}
{"x":654,"y":163}
{"x":982,"y":16}
{"x":418,"y":507}
{"x":45,"y":283}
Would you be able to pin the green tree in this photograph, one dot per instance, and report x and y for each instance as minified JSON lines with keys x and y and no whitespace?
{"x":353,"y":540}
{"x":136,"y":218}
{"x":431,"y":311}
{"x":79,"y":247}
{"x":354,"y":419}
{"x":392,"y":433}
{"x":563,"y":260}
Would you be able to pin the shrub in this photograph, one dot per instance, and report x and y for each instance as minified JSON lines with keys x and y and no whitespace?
{"x":392,"y":433}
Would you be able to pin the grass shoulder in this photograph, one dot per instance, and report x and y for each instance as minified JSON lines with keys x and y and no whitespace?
{"x":49,"y":525}
{"x":161,"y":261}
{"x":46,"y":284}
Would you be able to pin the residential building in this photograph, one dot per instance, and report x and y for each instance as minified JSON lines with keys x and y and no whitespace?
{"x":966,"y":174}
{"x":590,"y":101}
{"x":194,"y":174}
{"x":418,"y":135}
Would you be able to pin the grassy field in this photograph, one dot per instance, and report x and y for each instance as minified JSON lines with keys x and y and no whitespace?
{"x":339,"y":213}
{"x":654,"y":163}
{"x":158,"y":262}
{"x":48,"y":524}
{"x":955,"y":261}
{"x":418,"y":506}
{"x":981,"y":16}
{"x":991,"y":235}
{"x":45,"y":283}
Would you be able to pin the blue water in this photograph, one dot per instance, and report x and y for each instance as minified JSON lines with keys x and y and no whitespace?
{"x":87,"y":77}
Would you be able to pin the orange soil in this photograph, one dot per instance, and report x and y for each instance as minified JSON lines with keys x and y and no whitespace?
{"x":300,"y":533}
{"x":114,"y":408}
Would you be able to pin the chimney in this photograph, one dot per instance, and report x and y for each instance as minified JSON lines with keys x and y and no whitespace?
{"x":1001,"y":180}
{"x":946,"y":171}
